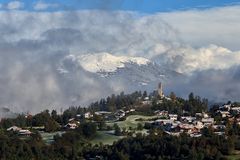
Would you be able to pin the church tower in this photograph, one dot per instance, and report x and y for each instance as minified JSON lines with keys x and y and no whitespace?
{"x":160,"y":90}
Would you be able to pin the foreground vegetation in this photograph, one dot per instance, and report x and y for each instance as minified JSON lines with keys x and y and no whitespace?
{"x":94,"y":138}
{"x":157,"y":145}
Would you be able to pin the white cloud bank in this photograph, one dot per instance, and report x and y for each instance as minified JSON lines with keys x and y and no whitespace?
{"x":33,"y":44}
{"x":40,"y":5}
{"x":210,"y":26}
{"x":14,"y":5}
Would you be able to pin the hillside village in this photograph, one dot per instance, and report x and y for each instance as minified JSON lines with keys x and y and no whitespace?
{"x":114,"y":127}
{"x":171,"y":123}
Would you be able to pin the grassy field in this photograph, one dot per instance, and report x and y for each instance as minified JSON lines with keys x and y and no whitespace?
{"x":105,"y":137}
{"x":48,"y":137}
{"x":233,"y":157}
{"x":131,"y":121}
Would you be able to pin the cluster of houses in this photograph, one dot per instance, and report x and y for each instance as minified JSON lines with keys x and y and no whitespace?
{"x":73,"y":123}
{"x":228,"y":110}
{"x":174,"y":124}
{"x":19,"y":131}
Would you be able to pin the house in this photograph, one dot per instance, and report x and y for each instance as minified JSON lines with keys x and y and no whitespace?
{"x":219,"y":128}
{"x":173,"y":117}
{"x":195,"y":135}
{"x":225,"y":107}
{"x":205,"y":115}
{"x":175,"y":128}
{"x":24,"y":132}
{"x":131,"y":110}
{"x":188,"y":119}
{"x":161,"y":113}
{"x":14,"y":128}
{"x":199,"y":124}
{"x":193,"y":130}
{"x":105,"y":114}
{"x":73,"y":120}
{"x":163,"y":122}
{"x":207,"y":121}
{"x":120,"y":114}
{"x":186,"y":126}
{"x":167,"y":98}
{"x":199,"y":115}
{"x":224,"y":114}
{"x":88,"y":115}
{"x":71,"y":126}
{"x":146,"y":98}
{"x":235,"y":110}
{"x":28,"y":116}
{"x":173,"y":133}
{"x":78,"y":115}
{"x":146,"y":101}
{"x":160,"y":101}
{"x":220,"y":133}
{"x":102,"y":113}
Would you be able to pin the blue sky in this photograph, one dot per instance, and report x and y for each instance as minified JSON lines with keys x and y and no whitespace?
{"x":144,"y":6}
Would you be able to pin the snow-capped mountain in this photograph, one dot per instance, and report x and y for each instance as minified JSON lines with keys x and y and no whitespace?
{"x":134,"y":71}
{"x":105,"y":62}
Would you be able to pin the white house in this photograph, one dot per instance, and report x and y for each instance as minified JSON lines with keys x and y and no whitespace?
{"x":207,"y":121}
{"x":101,"y":113}
{"x":24,"y":132}
{"x":173,"y":117}
{"x":71,"y":125}
{"x":235,"y":109}
{"x":161,"y":113}
{"x":205,"y":115}
{"x":224,"y":114}
{"x":189,"y":119}
{"x":146,"y":98}
{"x":14,"y":128}
{"x":225,"y":107}
{"x":88,"y":115}
{"x":120,"y":114}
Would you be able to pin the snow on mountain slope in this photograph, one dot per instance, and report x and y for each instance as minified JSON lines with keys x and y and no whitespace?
{"x":130,"y":70}
{"x":105,"y":62}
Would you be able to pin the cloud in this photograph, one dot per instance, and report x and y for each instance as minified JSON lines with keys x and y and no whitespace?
{"x":14,"y":5}
{"x":218,"y":85}
{"x":40,"y":5}
{"x":209,"y":26}
{"x":34,"y":44}
{"x":187,"y":59}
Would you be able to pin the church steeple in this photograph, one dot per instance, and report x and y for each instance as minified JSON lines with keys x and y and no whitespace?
{"x":160,"y":90}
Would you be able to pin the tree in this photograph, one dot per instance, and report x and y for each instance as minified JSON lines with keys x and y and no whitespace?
{"x":51,"y":125}
{"x":145,"y":94}
{"x":54,"y":115}
{"x":87,"y":129}
{"x":102,"y":125}
{"x":173,"y":96}
{"x":117,"y":130}
{"x":139,"y":126}
{"x":191,"y":97}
